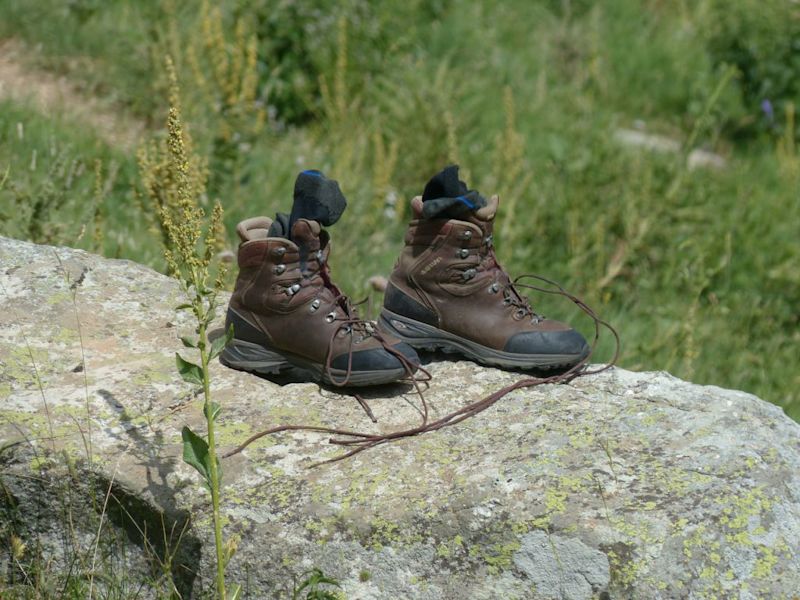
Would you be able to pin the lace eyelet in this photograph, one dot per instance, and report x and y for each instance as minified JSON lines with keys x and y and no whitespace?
{"x":279,"y":269}
{"x":506,"y":301}
{"x":466,"y":235}
{"x":519,"y":314}
{"x":469,"y":274}
{"x":279,"y":251}
{"x":293,"y":289}
{"x":314,"y":306}
{"x":463,"y":253}
{"x":330,"y":317}
{"x":494,"y":288}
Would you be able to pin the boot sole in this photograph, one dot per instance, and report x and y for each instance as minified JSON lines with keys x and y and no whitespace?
{"x":422,"y":336}
{"x":254,"y":358}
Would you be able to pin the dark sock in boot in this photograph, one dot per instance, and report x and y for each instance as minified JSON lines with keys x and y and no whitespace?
{"x":316,"y":198}
{"x":447,"y":197}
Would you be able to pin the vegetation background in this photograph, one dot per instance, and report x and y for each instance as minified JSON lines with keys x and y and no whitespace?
{"x":699,"y":269}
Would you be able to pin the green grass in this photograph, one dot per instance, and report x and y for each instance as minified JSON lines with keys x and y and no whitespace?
{"x":699,"y":270}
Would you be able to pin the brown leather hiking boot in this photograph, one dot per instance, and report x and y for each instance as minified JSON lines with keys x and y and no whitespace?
{"x":448,"y":292}
{"x":286,"y":312}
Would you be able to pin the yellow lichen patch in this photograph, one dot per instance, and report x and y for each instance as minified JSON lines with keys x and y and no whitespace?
{"x":446,"y":549}
{"x":696,"y":540}
{"x":26,"y":365}
{"x":582,"y":437}
{"x":499,"y":556}
{"x":364,"y":483}
{"x":764,"y":563}
{"x":30,"y":420}
{"x":383,"y":533}
{"x":740,"y":508}
{"x":321,"y":529}
{"x":623,"y":572}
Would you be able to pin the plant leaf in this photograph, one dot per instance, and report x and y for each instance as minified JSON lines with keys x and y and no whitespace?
{"x":235,"y":591}
{"x":219,"y":343}
{"x":195,"y":453}
{"x":190,"y":372}
{"x":183,"y":306}
{"x":215,"y":410}
{"x":313,"y":579}
{"x":188,"y":342}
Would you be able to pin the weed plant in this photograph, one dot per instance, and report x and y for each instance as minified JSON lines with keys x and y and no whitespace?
{"x":175,"y":183}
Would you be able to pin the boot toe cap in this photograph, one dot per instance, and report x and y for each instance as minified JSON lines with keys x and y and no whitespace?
{"x":566,"y":342}
{"x":377,"y":359}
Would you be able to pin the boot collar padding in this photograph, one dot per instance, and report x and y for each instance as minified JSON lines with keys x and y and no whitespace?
{"x":485,"y":213}
{"x":256,"y":228}
{"x":416,"y":206}
{"x":488,"y":212}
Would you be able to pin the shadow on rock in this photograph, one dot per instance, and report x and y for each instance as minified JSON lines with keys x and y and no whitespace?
{"x":161,"y":528}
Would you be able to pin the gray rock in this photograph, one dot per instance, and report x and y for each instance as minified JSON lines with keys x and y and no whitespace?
{"x":696,"y":159}
{"x":621,"y":485}
{"x":562,"y":567}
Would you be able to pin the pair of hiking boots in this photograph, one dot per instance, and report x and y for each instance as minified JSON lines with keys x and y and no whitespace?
{"x":446,"y":292}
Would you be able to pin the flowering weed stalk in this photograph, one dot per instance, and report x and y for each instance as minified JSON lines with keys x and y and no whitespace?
{"x":177,"y":190}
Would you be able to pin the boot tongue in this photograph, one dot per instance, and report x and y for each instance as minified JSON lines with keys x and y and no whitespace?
{"x":305,"y":232}
{"x":311,"y":239}
{"x":447,"y":197}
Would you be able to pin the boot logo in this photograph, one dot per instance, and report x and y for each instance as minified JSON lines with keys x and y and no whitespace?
{"x":430,"y":265}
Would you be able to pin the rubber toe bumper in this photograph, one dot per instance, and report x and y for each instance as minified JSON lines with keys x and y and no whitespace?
{"x":376,"y":359}
{"x":566,"y":342}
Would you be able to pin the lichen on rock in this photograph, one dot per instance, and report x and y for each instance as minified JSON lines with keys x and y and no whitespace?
{"x":634,"y":485}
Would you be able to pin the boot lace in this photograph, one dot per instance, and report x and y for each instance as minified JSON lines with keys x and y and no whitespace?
{"x":361,"y":441}
{"x":501,"y":281}
{"x":345,"y":313}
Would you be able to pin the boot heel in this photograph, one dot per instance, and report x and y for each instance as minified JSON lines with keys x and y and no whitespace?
{"x":247,"y":356}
